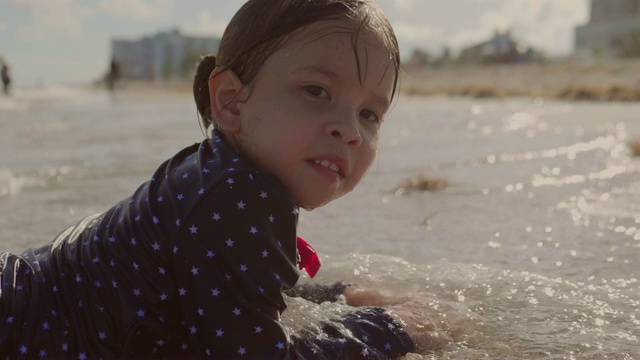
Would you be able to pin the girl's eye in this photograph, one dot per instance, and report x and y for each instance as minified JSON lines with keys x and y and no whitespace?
{"x":317,"y":91}
{"x":370,"y":116}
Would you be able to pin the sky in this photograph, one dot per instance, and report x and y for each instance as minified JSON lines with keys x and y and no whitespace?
{"x":69,"y":41}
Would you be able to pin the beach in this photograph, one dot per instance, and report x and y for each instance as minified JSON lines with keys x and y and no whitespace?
{"x":530,"y":251}
{"x":570,"y":79}
{"x":610,"y":80}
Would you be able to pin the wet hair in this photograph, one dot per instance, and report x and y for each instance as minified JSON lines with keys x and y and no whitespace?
{"x":261,"y":27}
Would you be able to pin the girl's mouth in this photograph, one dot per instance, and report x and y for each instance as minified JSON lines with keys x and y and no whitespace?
{"x":330,"y":170}
{"x":328,"y":164}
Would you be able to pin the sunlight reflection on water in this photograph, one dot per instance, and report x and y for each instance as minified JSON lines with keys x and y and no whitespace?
{"x":532,"y":250}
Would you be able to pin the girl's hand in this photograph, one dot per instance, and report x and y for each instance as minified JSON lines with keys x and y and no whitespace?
{"x":421,"y":324}
{"x":421,"y":321}
{"x":368,"y":297}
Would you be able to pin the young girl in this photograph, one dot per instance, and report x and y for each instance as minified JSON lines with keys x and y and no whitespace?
{"x":194,"y":263}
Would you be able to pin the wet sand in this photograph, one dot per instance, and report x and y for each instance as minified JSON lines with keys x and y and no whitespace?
{"x":568,"y":80}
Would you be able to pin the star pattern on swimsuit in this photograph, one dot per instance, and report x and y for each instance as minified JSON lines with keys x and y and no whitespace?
{"x":180,"y":255}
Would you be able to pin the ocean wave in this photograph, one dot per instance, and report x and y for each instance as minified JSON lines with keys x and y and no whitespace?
{"x":494,"y":313}
{"x":12,"y":184}
{"x":24,"y":98}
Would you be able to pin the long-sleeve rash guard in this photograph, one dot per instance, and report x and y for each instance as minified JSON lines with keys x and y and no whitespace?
{"x":193,"y":264}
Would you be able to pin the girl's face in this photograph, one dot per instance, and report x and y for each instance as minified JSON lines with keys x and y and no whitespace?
{"x":314,"y":112}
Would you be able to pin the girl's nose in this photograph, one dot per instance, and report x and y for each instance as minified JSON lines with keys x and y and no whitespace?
{"x":345,"y":132}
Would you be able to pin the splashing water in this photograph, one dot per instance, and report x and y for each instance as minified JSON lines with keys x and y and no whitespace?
{"x":532,"y":251}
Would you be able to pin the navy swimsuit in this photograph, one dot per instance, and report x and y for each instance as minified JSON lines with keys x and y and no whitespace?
{"x":192,"y":265}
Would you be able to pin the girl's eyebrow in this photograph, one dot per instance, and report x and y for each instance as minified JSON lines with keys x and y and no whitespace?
{"x":322,"y":70}
{"x":381,"y":100}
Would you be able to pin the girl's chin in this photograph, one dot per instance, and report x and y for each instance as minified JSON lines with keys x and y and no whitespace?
{"x":312,"y":205}
{"x":309,"y":203}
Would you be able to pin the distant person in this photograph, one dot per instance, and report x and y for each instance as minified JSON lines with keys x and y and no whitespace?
{"x":194,"y":263}
{"x":6,"y":78}
{"x":113,"y":75}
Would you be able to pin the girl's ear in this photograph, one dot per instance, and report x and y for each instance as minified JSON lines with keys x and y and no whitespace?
{"x":225,"y":91}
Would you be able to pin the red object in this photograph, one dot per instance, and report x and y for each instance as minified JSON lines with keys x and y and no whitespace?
{"x":309,"y":259}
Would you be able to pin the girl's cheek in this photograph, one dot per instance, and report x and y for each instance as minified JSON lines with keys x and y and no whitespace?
{"x":372,"y":140}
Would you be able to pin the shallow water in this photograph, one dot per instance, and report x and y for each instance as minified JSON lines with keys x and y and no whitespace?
{"x":531,"y":252}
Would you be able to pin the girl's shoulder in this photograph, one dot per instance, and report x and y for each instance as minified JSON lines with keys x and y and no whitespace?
{"x":212,"y":166}
{"x":209,"y":163}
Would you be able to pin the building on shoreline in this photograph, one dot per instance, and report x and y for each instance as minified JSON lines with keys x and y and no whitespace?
{"x":502,"y":48}
{"x":612,"y":25}
{"x":163,"y":56}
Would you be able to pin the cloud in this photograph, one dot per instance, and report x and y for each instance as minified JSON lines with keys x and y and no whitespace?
{"x":431,"y":24}
{"x":548,"y":25}
{"x":208,"y":24}
{"x":3,"y":26}
{"x":412,"y":36}
{"x":53,"y":18}
{"x":139,"y":10}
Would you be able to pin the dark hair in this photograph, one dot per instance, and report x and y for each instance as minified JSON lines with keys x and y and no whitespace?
{"x":260,"y":27}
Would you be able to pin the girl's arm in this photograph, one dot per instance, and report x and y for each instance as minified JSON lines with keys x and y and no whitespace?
{"x":318,"y":293}
{"x":235,"y":255}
